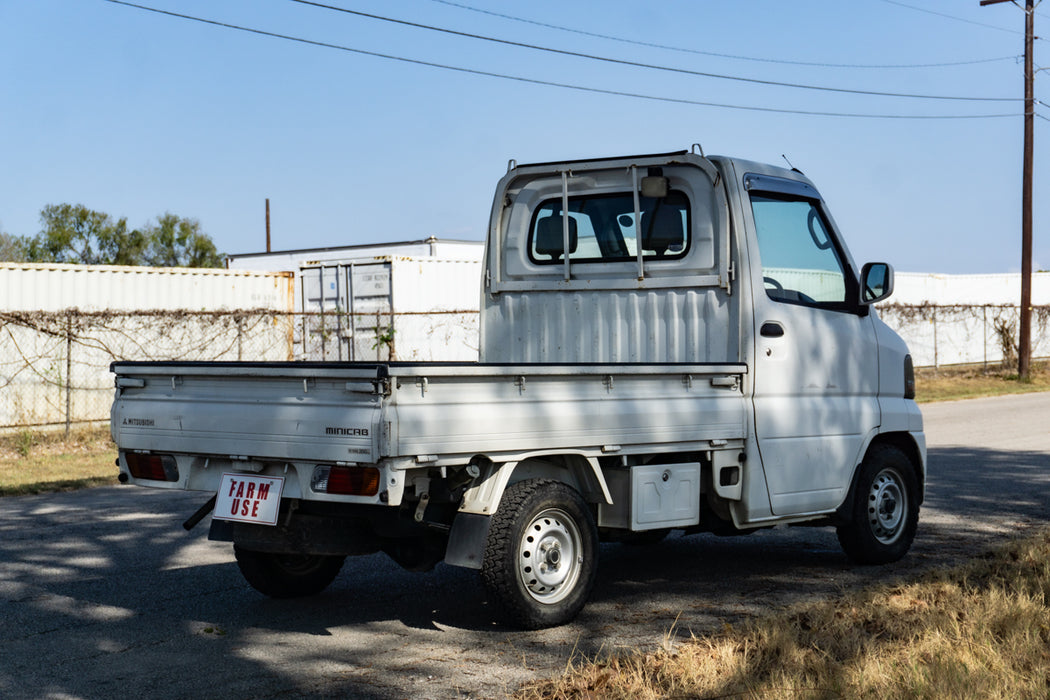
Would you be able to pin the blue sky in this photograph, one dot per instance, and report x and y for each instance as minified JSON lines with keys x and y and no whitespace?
{"x":136,"y":113}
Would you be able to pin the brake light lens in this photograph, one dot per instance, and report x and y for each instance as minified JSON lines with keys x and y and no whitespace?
{"x":345,"y":481}
{"x":154,"y":467}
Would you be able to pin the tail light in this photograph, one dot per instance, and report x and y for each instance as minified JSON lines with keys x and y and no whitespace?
{"x":345,"y":480}
{"x":155,"y":467}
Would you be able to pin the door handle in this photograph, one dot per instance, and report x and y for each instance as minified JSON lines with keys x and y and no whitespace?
{"x":771,"y":329}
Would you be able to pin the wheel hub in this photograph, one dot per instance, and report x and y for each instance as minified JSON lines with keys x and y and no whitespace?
{"x":886,"y":507}
{"x":549,"y":556}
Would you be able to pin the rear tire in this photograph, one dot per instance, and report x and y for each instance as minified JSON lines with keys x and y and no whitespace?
{"x":884,"y":515}
{"x":541,"y":555}
{"x":287,"y":575}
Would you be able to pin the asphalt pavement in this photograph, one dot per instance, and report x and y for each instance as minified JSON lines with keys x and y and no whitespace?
{"x":103,"y":594}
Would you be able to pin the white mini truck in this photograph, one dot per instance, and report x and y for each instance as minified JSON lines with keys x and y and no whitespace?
{"x":668,"y":342}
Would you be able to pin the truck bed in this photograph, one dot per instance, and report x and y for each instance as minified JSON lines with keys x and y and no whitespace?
{"x":410,"y":415}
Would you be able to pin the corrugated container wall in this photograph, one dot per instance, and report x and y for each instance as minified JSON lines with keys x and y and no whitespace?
{"x":976,"y":290}
{"x":53,"y":287}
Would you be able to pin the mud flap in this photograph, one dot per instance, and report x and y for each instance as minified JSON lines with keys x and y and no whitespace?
{"x":466,"y":541}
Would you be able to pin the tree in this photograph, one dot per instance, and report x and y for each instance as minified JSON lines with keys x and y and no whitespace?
{"x":72,"y":233}
{"x":12,"y":248}
{"x":177,"y":242}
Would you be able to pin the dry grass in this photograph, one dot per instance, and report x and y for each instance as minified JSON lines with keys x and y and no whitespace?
{"x":40,"y":462}
{"x":979,"y":631}
{"x":948,"y":384}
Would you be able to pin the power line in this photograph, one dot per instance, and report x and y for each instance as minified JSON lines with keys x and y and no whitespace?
{"x":667,"y":47}
{"x":635,"y":64}
{"x":954,"y":17}
{"x":534,"y":81}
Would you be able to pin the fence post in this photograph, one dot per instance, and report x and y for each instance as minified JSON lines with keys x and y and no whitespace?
{"x":984,"y":309}
{"x":324,"y":328}
{"x":936,"y":358}
{"x":379,"y":346}
{"x":302,"y":307}
{"x":69,"y":370}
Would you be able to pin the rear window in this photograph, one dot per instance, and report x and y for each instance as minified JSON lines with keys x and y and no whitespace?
{"x":602,"y":228}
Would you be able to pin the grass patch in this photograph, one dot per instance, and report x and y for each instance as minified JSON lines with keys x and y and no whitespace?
{"x":953,"y":383}
{"x":981,"y":630}
{"x":42,"y":462}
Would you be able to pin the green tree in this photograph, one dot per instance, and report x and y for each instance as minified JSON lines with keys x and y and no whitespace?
{"x":178,"y":242}
{"x":72,"y":233}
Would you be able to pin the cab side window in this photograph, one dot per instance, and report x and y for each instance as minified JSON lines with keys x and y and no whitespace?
{"x":801,"y":263}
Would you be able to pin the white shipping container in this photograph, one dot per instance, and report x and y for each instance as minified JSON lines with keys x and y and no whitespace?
{"x":298,"y":260}
{"x":391,"y":308}
{"x":432,"y":247}
{"x":55,"y":287}
{"x":977,"y":290}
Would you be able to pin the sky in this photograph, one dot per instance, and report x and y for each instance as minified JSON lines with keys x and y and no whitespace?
{"x":360,"y":137}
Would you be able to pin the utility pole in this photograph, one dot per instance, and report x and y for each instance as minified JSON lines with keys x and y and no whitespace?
{"x":267,"y":224}
{"x":1024,"y":341}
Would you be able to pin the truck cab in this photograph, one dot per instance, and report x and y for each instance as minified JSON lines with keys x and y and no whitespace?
{"x":738,"y":262}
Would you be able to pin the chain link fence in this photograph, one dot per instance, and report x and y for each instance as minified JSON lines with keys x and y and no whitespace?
{"x":940,"y":335}
{"x":54,"y":366}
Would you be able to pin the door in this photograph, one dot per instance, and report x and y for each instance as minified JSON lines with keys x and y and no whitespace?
{"x":816,"y":357}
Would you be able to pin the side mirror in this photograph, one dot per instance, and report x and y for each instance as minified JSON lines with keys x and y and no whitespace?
{"x":876,"y":283}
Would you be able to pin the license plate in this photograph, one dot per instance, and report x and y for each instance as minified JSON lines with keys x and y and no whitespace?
{"x":247,"y":498}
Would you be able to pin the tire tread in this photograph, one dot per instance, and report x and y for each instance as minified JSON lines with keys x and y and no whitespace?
{"x":854,"y":534}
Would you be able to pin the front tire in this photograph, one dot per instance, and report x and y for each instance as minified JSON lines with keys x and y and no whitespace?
{"x":287,"y":575}
{"x":884,"y":516}
{"x":541,"y":555}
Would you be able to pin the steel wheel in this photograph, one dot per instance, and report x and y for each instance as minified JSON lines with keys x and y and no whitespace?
{"x":887,"y":506}
{"x":879,"y":524}
{"x":541,"y":554}
{"x":549,"y":556}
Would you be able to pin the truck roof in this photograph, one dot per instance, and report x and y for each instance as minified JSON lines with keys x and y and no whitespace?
{"x":740,"y":165}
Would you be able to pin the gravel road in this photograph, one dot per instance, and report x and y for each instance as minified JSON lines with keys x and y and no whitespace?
{"x":103,"y":594}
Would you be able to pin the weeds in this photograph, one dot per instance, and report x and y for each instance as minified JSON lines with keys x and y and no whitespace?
{"x":24,"y":442}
